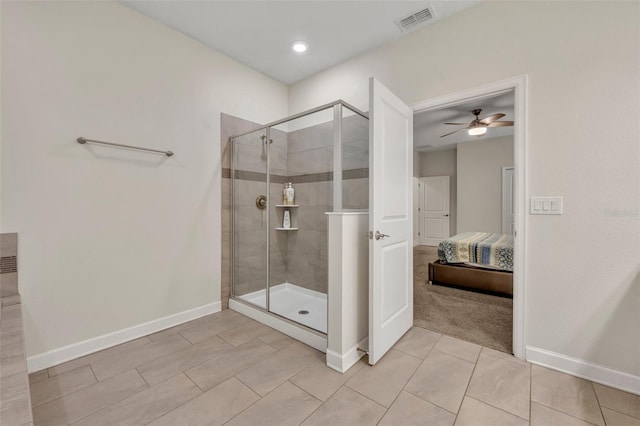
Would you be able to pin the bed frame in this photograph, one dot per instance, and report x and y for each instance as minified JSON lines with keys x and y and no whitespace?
{"x":471,"y":277}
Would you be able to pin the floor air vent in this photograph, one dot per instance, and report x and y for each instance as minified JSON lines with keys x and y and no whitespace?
{"x":415,"y":19}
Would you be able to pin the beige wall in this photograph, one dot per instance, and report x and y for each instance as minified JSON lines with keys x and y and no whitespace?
{"x":582,"y":60}
{"x":480,"y":183}
{"x":443,"y":163}
{"x":109,"y":238}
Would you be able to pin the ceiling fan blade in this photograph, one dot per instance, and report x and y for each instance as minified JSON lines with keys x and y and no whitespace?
{"x":500,"y":124}
{"x":491,"y":118}
{"x":455,"y":131}
{"x":458,"y":124}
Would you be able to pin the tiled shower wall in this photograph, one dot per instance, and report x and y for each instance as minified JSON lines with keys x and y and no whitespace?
{"x":8,"y":264}
{"x":305,"y":158}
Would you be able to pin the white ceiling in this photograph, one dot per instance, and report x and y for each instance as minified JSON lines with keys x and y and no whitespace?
{"x":259,"y":33}
{"x":428,"y":126}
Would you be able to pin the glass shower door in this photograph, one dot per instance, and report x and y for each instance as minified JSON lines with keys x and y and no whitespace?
{"x":301,"y":153}
{"x":249,"y":218}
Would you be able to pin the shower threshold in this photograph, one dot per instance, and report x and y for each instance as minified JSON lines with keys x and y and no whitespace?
{"x":304,"y":306}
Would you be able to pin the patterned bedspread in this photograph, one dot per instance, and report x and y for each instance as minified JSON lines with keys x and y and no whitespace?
{"x":479,"y":248}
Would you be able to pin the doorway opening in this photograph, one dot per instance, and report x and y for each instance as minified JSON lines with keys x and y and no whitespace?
{"x":469,"y":204}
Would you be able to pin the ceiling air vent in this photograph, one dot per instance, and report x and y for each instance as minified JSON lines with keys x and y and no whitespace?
{"x":415,"y":19}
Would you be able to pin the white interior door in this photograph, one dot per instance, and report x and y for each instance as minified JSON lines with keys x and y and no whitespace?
{"x":507,"y":201}
{"x":390,"y":220}
{"x":435,"y":206}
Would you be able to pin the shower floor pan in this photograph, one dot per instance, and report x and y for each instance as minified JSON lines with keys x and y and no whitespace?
{"x":304,"y":306}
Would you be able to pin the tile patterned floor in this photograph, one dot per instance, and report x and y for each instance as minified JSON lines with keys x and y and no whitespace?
{"x":228,"y":369}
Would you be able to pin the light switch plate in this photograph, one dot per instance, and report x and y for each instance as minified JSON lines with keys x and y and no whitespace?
{"x":545,"y":205}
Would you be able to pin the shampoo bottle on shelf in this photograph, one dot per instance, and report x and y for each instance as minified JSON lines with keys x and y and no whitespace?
{"x":286,"y":221}
{"x":289,"y":194}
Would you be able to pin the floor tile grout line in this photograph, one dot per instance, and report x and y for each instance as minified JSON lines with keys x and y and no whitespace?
{"x":455,"y":356}
{"x":411,"y":377}
{"x":108,"y":406}
{"x":598,"y":402}
{"x":431,"y":402}
{"x":620,"y":412}
{"x":506,"y":358}
{"x":217,"y":334}
{"x":184,"y":323}
{"x":145,"y":380}
{"x":94,"y":373}
{"x":501,"y":409}
{"x":363,"y":395}
{"x":466,"y":389}
{"x":317,"y":399}
{"x":566,"y":414}
{"x":495,"y":406}
{"x":570,"y":415}
{"x":185,"y":402}
{"x":68,"y":393}
{"x":260,"y":397}
{"x":530,"y":390}
{"x":101,"y":358}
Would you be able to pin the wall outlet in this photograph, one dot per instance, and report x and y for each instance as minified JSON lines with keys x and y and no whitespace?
{"x":545,"y":205}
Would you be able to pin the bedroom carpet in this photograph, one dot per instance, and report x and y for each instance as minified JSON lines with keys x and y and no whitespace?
{"x":475,"y":317}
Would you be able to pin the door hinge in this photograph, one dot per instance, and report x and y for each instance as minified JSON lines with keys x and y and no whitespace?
{"x":418,"y":234}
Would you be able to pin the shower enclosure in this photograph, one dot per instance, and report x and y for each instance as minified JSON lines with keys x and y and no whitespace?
{"x":280,"y":270}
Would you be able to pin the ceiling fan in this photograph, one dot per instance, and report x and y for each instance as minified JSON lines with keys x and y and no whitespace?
{"x":478,"y":127}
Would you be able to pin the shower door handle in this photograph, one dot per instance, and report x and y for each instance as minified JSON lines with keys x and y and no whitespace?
{"x":379,"y":235}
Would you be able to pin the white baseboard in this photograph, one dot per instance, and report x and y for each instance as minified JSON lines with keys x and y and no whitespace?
{"x":584,"y":369}
{"x":315,"y":340}
{"x":67,"y":353}
{"x":343,"y":362}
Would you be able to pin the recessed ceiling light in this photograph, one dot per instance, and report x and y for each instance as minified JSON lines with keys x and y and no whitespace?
{"x":299,"y":46}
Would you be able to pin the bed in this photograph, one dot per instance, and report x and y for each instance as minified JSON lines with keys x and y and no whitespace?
{"x":477,"y":260}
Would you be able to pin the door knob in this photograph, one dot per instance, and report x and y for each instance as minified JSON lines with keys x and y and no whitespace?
{"x":445,"y":215}
{"x":379,"y":235}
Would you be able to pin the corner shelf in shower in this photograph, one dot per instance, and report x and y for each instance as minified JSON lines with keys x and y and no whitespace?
{"x":287,"y":229}
{"x":287,"y":206}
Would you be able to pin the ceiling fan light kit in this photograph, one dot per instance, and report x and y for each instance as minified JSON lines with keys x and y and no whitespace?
{"x":478,"y":127}
{"x":477,"y":131}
